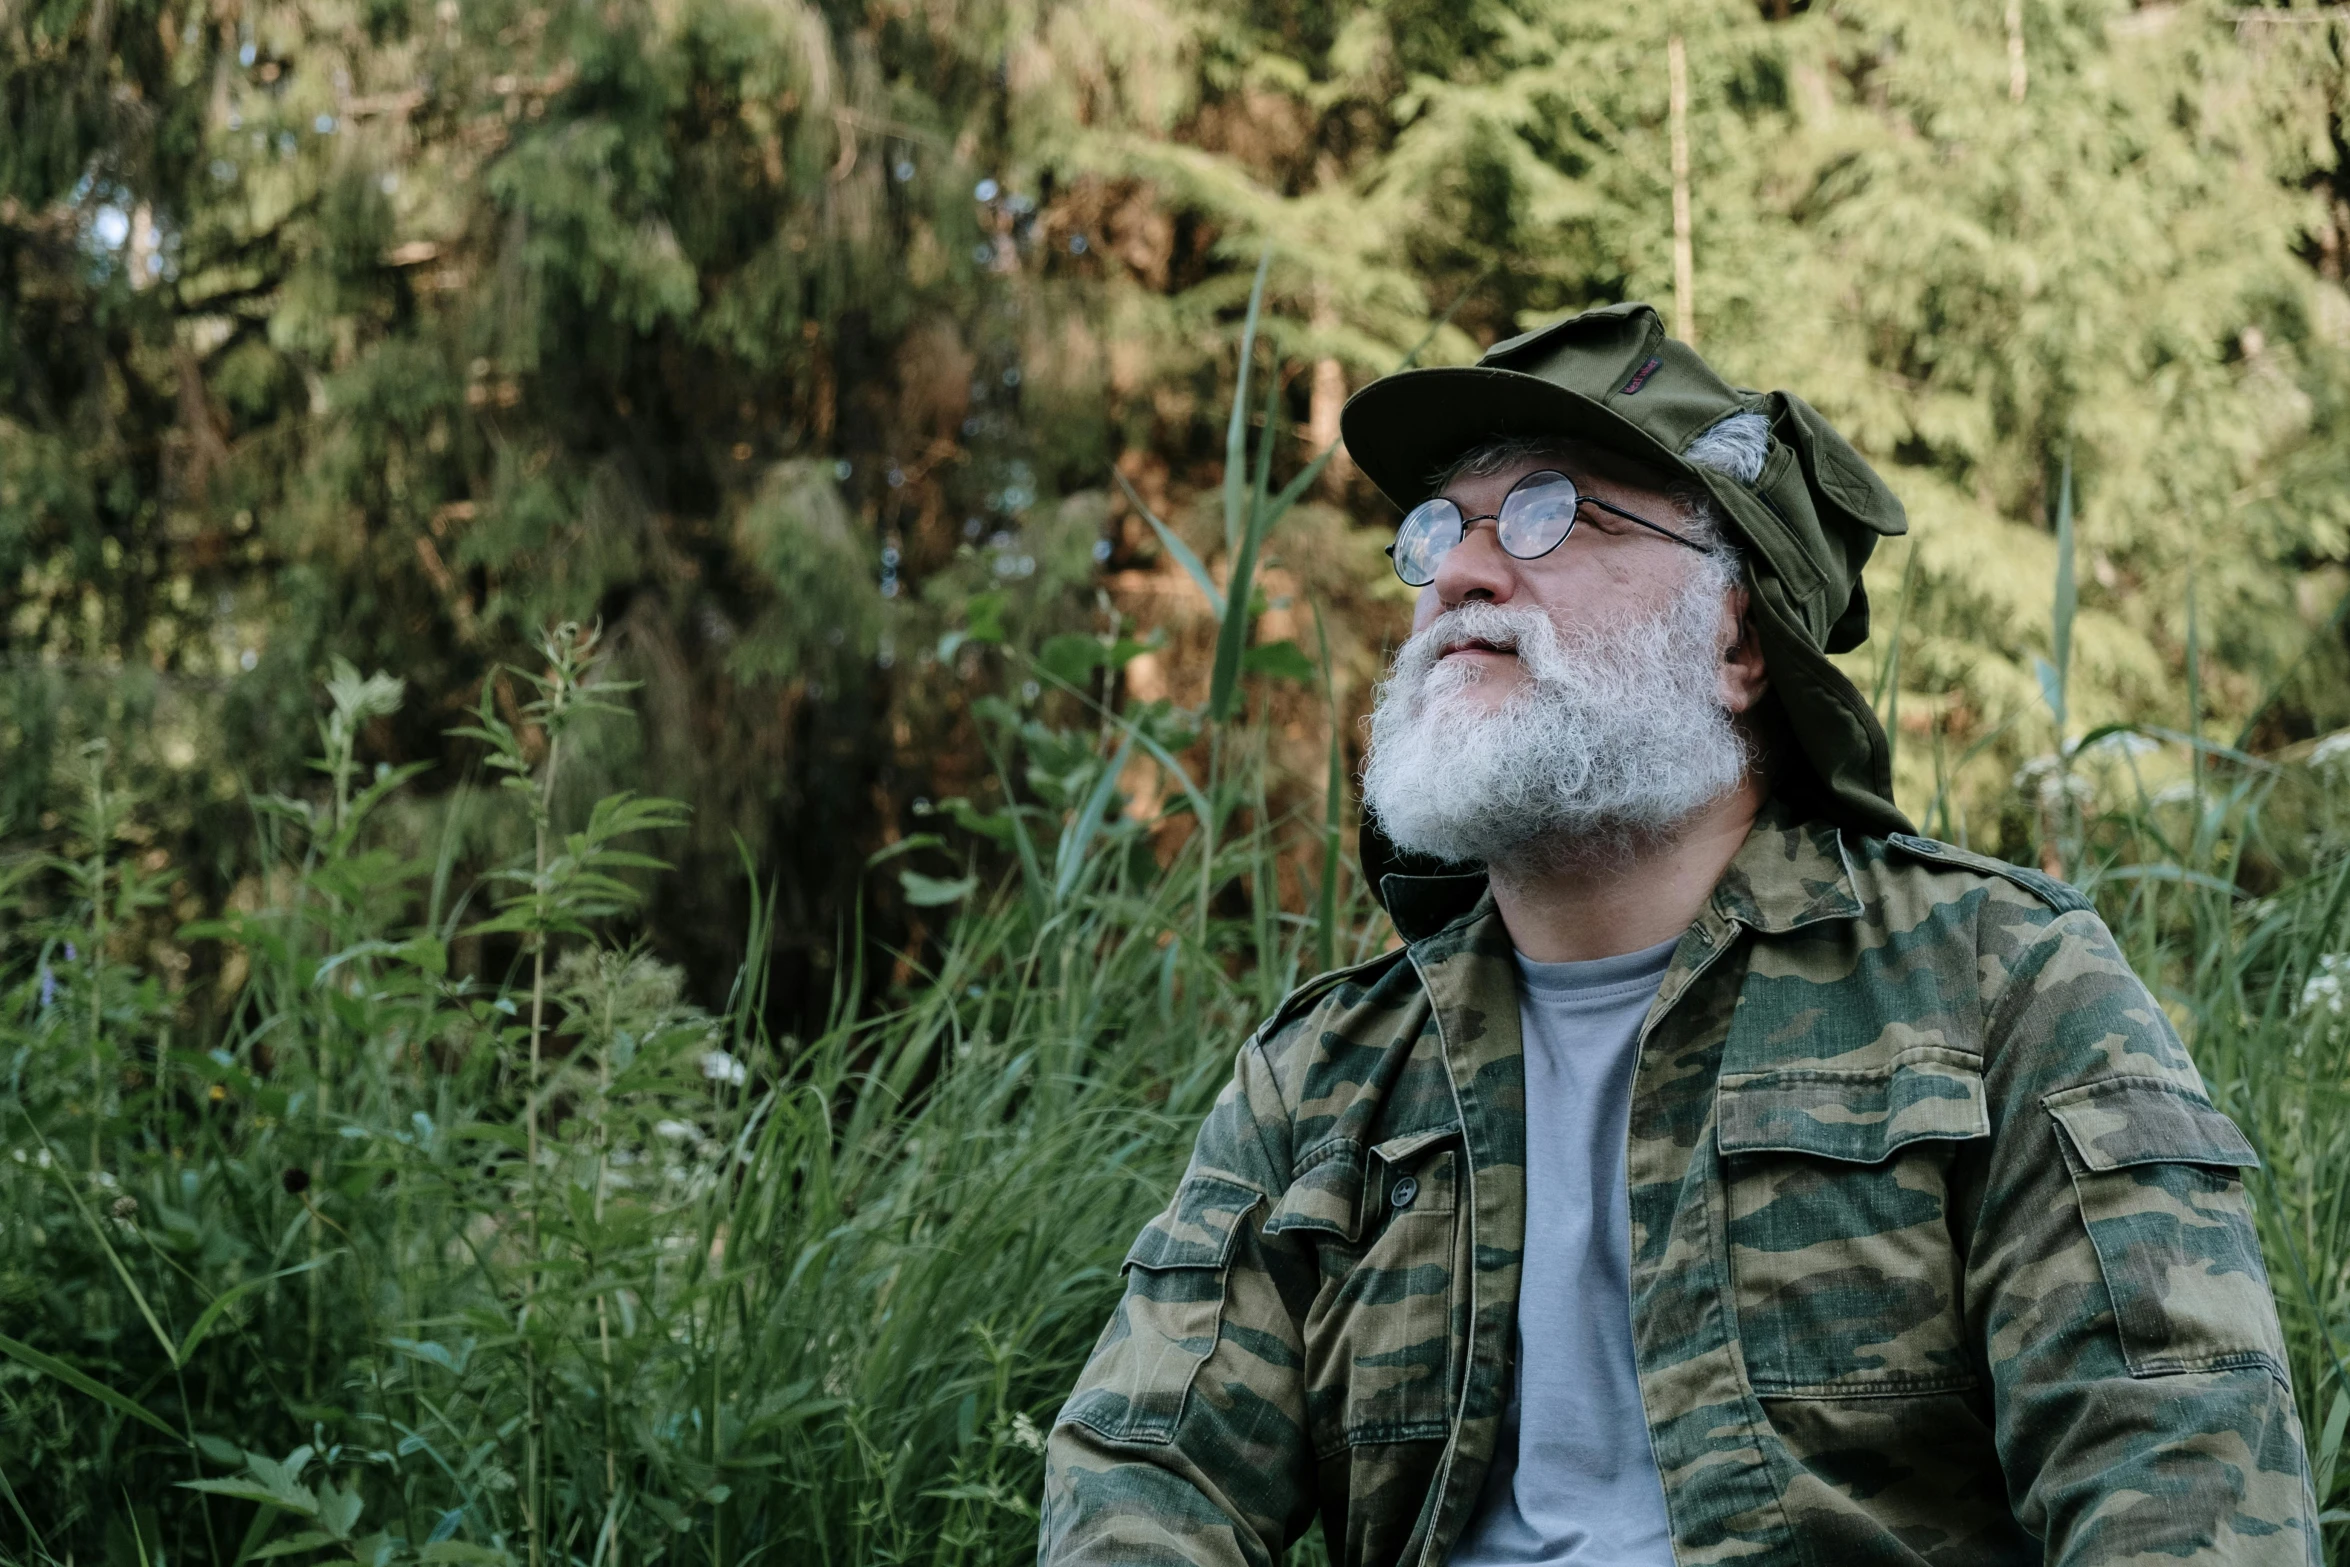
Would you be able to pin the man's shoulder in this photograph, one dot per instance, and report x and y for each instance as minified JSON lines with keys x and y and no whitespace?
{"x":1352,"y":1056}
{"x":1953,"y":872}
{"x":1919,"y":893}
{"x":1359,"y":1002}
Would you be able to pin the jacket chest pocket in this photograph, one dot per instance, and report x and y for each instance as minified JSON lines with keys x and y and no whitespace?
{"x":1846,"y":1277}
{"x":1380,"y":1333}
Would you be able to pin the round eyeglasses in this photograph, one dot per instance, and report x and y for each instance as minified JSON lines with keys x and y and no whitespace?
{"x":1535,"y":518}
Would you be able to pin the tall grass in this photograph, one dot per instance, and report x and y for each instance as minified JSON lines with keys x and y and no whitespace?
{"x":407,"y":1266}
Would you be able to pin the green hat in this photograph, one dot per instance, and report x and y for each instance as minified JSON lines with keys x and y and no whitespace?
{"x":1805,"y":526}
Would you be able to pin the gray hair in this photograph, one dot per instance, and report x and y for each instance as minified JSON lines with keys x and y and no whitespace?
{"x":1735,"y":446}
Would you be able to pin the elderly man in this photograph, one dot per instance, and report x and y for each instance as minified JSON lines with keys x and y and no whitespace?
{"x":1719,"y":1170}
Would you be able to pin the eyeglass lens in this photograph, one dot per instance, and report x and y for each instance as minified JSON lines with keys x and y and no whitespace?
{"x":1536,"y":517}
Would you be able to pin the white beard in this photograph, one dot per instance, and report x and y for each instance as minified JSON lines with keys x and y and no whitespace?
{"x":1616,"y":734}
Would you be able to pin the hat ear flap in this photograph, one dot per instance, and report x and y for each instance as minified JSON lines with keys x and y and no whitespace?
{"x":1852,"y":627}
{"x":1840,"y":478}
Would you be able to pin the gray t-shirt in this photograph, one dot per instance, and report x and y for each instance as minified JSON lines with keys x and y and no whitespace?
{"x":1573,"y":1478}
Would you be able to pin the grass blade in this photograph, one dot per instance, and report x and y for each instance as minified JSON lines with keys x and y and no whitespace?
{"x":1176,"y":547}
{"x":50,"y":1365}
{"x":1232,"y":635}
{"x":1236,"y":429}
{"x":1333,"y":815}
{"x":2056,"y":671}
{"x":1078,"y":838}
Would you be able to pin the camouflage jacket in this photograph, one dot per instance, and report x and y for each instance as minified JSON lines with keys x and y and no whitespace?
{"x":1940,"y":1252}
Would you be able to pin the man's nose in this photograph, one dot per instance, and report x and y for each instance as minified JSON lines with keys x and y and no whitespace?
{"x":1477,"y":568}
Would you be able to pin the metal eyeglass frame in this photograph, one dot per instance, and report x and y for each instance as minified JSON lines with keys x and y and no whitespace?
{"x":1464,"y":523}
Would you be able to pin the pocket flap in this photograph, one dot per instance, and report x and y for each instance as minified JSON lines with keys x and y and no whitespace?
{"x":2147,"y":1120}
{"x":1326,"y":1196}
{"x":1860,"y":1117}
{"x":1396,"y":1150}
{"x":1198,"y":1228}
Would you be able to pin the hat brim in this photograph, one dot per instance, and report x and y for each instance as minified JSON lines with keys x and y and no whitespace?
{"x":1403,"y":430}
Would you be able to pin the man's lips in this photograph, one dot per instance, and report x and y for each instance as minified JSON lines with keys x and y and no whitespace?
{"x":1477,"y":645}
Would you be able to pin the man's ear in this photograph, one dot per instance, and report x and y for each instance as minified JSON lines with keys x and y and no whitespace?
{"x":1744,"y":679}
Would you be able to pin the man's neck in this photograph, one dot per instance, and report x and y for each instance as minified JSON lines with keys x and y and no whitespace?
{"x":1577,"y":909}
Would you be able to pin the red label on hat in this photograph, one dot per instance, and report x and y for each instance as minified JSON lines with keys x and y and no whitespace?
{"x":1640,"y":377}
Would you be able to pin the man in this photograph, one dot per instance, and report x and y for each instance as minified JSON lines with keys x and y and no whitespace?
{"x":1719,"y":1171}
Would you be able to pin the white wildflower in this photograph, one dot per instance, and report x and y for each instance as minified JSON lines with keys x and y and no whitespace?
{"x":2047,"y":781}
{"x":1025,"y":1434}
{"x":721,"y":1067}
{"x":677,"y":1130}
{"x":2332,"y":751}
{"x":2324,"y":988}
{"x":2127,"y":742}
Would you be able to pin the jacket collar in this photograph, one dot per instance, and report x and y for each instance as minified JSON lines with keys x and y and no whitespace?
{"x":1787,"y":874}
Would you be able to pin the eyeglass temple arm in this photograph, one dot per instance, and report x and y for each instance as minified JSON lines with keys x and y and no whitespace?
{"x":1618,"y":511}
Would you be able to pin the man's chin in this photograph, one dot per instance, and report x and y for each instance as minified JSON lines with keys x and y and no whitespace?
{"x":1585,"y":844}
{"x":1484,"y":693}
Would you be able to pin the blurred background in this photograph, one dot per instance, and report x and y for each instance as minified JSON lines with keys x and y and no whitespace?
{"x":542,"y":543}
{"x":784,"y":340}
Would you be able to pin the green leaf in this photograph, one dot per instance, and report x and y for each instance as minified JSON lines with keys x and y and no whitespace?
{"x":905,"y":845}
{"x":1087,"y":821}
{"x":295,"y":1545}
{"x":50,"y":1365}
{"x":1239,"y":608}
{"x":452,"y":1361}
{"x":1072,"y":656}
{"x":995,"y":826}
{"x":460,"y":1554}
{"x":245,"y":1490}
{"x":1177,"y":548}
{"x":1236,"y":429}
{"x":2056,"y":675}
{"x":1283,"y":660}
{"x":338,"y":1510}
{"x":2051,"y":687}
{"x":929,"y":892}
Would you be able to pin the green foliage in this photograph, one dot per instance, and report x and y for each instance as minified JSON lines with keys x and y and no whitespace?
{"x":808,"y":1296}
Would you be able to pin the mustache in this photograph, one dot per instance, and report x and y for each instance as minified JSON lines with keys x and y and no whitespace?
{"x":1503,"y":628}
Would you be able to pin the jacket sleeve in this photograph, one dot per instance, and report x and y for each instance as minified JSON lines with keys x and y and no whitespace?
{"x":1185,"y":1440}
{"x":2142,"y":1406}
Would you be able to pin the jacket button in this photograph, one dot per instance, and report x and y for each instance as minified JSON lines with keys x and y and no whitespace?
{"x":1404,"y":1191}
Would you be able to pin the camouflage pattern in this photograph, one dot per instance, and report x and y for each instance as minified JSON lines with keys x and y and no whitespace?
{"x":1940,"y":1252}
